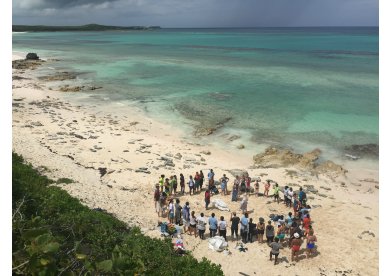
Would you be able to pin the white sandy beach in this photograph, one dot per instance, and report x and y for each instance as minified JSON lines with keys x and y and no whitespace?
{"x":62,"y":138}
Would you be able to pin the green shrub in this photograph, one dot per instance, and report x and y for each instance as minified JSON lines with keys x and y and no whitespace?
{"x":53,"y":233}
{"x":65,"y":180}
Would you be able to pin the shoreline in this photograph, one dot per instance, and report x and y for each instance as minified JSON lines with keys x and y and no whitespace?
{"x":65,"y":139}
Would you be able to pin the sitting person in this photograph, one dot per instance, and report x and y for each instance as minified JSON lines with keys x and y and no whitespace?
{"x":179,"y":247}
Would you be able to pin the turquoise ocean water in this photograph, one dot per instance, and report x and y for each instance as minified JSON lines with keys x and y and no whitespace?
{"x":297,"y":87}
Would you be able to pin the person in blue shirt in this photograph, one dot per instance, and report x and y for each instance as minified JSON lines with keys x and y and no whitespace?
{"x":211,"y":176}
{"x":302,"y":197}
{"x":244,"y":227}
{"x":186,"y":216}
{"x":213,"y":225}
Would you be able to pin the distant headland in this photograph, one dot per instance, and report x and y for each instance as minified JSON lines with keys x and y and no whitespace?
{"x":88,"y":27}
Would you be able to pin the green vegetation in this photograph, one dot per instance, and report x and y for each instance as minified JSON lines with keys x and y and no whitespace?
{"x":53,"y":234}
{"x":89,"y":27}
{"x":65,"y":181}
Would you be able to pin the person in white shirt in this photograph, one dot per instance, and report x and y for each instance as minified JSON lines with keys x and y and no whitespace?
{"x":290,"y":196}
{"x":223,"y":228}
{"x":201,"y":222}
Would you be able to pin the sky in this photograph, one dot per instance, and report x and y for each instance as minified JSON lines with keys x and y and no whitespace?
{"x":197,"y":13}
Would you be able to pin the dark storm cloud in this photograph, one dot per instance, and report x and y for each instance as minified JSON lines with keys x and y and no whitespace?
{"x":54,"y":4}
{"x":198,"y":13}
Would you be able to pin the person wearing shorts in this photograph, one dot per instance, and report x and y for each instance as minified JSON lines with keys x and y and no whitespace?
{"x":193,"y":224}
{"x":269,"y":232}
{"x":296,"y":243}
{"x":223,"y":228}
{"x":261,"y":230}
{"x":275,"y":250}
{"x":234,"y":225}
{"x":311,"y":239}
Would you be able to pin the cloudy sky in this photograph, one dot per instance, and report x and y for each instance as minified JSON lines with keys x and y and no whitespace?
{"x":197,"y":13}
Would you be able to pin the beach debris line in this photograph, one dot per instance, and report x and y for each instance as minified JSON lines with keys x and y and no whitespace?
{"x":143,"y":170}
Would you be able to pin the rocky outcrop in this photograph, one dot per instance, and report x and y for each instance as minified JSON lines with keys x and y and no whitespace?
{"x":363,"y":150}
{"x":278,"y":157}
{"x":24,"y":64}
{"x":32,"y":56}
{"x":60,"y":76}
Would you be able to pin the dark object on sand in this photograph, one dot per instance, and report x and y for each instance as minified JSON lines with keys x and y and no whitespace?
{"x":32,"y":56}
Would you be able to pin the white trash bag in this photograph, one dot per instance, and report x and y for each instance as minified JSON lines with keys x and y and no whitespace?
{"x":217,"y":243}
{"x":220,"y":204}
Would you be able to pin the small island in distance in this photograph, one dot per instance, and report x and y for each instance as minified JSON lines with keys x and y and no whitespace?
{"x":88,"y":27}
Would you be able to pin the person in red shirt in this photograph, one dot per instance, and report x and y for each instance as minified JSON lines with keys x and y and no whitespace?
{"x":207,"y":198}
{"x":306,"y":223}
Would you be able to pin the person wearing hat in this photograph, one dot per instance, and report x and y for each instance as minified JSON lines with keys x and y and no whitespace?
{"x":296,"y":243}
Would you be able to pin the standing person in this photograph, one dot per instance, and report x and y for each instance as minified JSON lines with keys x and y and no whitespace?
{"x":201,"y":222}
{"x":306,"y":222}
{"x":269,"y":232}
{"x":290,"y":197}
{"x":157,"y":195}
{"x":162,"y":203}
{"x":267,"y":188}
{"x":182,"y":183}
{"x":235,"y":191}
{"x":193,"y":224}
{"x":289,"y":220}
{"x":244,"y":227}
{"x":296,"y":243}
{"x":223,"y":228}
{"x":223,"y":182}
{"x":275,"y":250}
{"x":186,"y":216}
{"x":296,"y":204}
{"x":281,"y":232}
{"x":201,"y":180}
{"x":261,"y":229}
{"x":177,"y":212}
{"x":252,"y":230}
{"x":161,"y":181}
{"x":167,"y":186}
{"x":243,"y":204}
{"x":311,"y":239}
{"x":191,"y":185}
{"x":276,"y":191}
{"x":256,"y":186}
{"x":248,"y":184}
{"x":207,"y":198}
{"x":171,"y":211}
{"x":197,"y":181}
{"x":286,"y":195}
{"x":174,"y":184}
{"x":234,"y":225}
{"x":302,"y":197}
{"x":243,"y":184}
{"x":213,"y":225}
{"x":211,"y":176}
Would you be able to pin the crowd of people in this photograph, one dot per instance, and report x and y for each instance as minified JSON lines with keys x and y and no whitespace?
{"x":280,"y":231}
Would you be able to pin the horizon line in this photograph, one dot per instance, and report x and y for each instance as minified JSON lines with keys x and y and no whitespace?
{"x":211,"y":27}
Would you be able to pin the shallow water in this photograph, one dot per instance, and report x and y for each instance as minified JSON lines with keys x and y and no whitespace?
{"x":297,"y":87}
